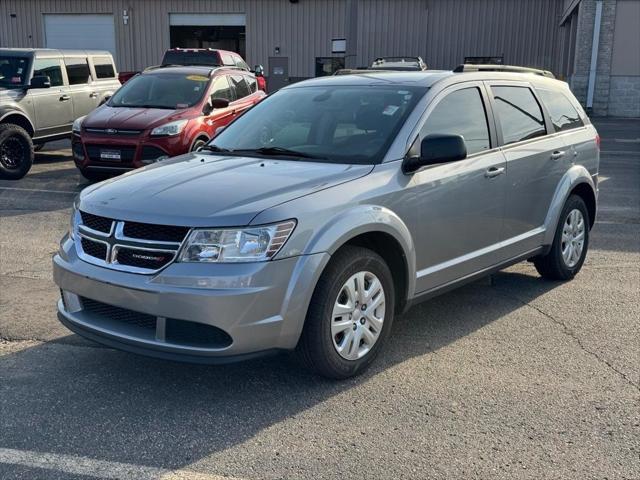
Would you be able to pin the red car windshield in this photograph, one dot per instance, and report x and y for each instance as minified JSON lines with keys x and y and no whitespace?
{"x":161,"y":90}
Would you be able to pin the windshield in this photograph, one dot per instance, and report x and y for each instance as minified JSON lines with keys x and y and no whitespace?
{"x":341,"y":124}
{"x":160,"y":90}
{"x":13,"y":71}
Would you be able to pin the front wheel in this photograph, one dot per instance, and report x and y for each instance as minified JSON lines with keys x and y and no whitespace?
{"x":570,"y":243}
{"x":16,"y":152}
{"x":350,"y":314}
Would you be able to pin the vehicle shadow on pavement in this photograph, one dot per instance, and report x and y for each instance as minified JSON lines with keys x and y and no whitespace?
{"x":109,"y":405}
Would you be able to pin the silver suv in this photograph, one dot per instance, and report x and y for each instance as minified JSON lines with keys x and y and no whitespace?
{"x":329,"y":207}
{"x":42,"y":91}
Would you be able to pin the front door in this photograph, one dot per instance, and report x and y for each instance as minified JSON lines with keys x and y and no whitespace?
{"x":460,"y":204}
{"x":278,"y":73}
{"x":84,"y":96}
{"x":53,"y":107}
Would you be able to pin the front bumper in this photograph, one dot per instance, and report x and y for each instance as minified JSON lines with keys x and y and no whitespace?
{"x":135,"y":151}
{"x":259,"y":307}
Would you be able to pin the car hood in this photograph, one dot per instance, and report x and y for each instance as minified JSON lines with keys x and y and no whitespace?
{"x":129,"y":118}
{"x":211,"y":191}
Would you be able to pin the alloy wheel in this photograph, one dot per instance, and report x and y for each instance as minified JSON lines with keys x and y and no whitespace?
{"x":12,"y":151}
{"x":573,"y":232}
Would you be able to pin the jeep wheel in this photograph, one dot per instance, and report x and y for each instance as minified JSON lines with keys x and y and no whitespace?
{"x":349,"y":316}
{"x":570,"y":243}
{"x":16,"y":152}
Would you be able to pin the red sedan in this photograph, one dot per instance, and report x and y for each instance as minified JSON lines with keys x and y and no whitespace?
{"x":161,"y":113}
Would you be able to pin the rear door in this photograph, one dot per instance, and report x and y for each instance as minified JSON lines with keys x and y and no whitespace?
{"x":52,"y":106}
{"x":83,"y":96}
{"x":460,"y":204}
{"x":105,"y":78}
{"x":535,"y":163}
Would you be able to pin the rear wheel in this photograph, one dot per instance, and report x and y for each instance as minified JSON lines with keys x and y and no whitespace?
{"x":197,"y":144}
{"x":350,"y":314}
{"x":16,"y":151}
{"x":570,"y":243}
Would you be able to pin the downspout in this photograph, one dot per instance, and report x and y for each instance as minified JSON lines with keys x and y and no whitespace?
{"x":594,"y":54}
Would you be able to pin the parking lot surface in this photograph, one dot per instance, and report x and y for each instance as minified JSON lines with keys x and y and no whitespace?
{"x":513,"y":378}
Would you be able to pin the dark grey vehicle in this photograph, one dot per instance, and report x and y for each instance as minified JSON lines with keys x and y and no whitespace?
{"x":329,"y":207}
{"x":42,"y":92}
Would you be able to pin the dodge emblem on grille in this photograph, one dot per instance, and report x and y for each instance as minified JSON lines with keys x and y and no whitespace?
{"x":152,"y":258}
{"x":111,"y":131}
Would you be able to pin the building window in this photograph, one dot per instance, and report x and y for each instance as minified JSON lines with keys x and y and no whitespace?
{"x":326,"y":66}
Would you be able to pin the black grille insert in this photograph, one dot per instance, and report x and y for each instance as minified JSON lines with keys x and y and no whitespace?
{"x":118,"y":314}
{"x":94,"y":249}
{"x":148,"y":231}
{"x":151,"y":260}
{"x":183,"y":332}
{"x":152,"y":153}
{"x":94,"y":222}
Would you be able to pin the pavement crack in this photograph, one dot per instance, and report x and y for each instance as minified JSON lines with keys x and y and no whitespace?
{"x":568,"y":331}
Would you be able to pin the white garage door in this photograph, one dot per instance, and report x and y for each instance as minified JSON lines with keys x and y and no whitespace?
{"x":80,"y":31}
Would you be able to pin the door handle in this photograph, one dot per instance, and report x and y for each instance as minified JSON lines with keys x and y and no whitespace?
{"x":93,"y":95}
{"x":557,"y":154}
{"x":494,"y":172}
{"x":64,"y":98}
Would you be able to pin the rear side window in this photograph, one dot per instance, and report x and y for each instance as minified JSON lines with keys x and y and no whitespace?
{"x":240,"y":86}
{"x":564,"y":115}
{"x":221,"y":89}
{"x":49,"y":67}
{"x":103,"y":67}
{"x":77,"y":70}
{"x":253,"y":84}
{"x":461,"y":113}
{"x":519,"y":114}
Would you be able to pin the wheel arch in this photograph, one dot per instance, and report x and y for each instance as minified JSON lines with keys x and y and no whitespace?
{"x":18,"y":118}
{"x":577,"y":180}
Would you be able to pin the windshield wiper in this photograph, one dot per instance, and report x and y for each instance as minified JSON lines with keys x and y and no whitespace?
{"x":279,"y":151}
{"x":215,"y":148}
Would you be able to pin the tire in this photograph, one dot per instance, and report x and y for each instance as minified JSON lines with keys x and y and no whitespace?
{"x":16,"y":152}
{"x":571,"y":232}
{"x":318,"y":348}
{"x":198,"y":143}
{"x":93,"y":176}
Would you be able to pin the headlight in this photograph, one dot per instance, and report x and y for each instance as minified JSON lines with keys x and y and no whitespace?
{"x":169,"y":129}
{"x":77,"y":125}
{"x":254,"y":244}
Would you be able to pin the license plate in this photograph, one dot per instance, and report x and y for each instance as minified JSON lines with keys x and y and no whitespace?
{"x":110,"y":155}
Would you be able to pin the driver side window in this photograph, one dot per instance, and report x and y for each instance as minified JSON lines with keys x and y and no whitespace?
{"x":461,"y":113}
{"x":221,"y":88}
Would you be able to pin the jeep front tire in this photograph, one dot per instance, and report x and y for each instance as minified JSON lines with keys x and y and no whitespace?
{"x":16,"y":152}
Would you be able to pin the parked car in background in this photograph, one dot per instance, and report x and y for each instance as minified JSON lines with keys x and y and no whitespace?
{"x":209,"y":57}
{"x":42,"y":92}
{"x":399,"y":63}
{"x":329,"y":207}
{"x":160,"y":113}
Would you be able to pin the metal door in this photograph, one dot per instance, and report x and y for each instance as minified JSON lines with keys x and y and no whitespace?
{"x":278,"y":73}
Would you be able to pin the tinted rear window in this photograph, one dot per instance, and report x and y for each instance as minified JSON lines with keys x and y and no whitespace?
{"x":240,"y":85}
{"x":519,"y":114}
{"x":104,"y":67}
{"x":191,"y":58}
{"x":77,"y":70}
{"x":563,"y":114}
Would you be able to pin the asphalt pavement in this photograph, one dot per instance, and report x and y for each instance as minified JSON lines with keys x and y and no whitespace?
{"x":513,"y":378}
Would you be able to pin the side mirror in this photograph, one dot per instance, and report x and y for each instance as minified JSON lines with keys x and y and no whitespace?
{"x":436,"y":149}
{"x":258,"y":70}
{"x":41,"y":81}
{"x":213,"y":103}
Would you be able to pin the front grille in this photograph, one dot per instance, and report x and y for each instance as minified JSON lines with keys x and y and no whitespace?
{"x":94,"y":222}
{"x":143,"y":258}
{"x":162,"y":233}
{"x":94,"y":249}
{"x":183,"y":332}
{"x":118,"y":314}
{"x":127,"y":153}
{"x":177,"y":332}
{"x":113,"y":132}
{"x":151,"y":153}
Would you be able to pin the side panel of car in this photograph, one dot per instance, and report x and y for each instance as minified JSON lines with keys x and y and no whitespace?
{"x":53,"y":107}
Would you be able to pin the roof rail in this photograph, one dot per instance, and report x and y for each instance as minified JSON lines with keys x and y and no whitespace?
{"x":467,"y":67}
